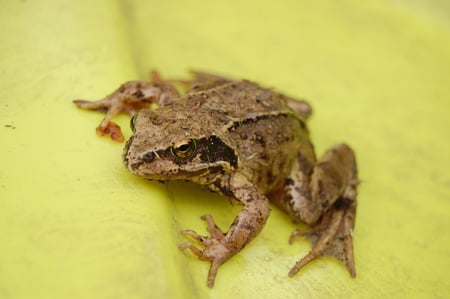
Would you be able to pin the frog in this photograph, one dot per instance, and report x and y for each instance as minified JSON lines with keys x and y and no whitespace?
{"x":246,"y":142}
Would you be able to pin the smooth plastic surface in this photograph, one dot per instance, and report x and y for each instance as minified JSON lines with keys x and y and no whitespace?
{"x":75,"y":224}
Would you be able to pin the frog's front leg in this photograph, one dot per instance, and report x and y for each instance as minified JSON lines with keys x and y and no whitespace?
{"x":219,"y":246}
{"x":325,"y":197}
{"x":129,"y":97}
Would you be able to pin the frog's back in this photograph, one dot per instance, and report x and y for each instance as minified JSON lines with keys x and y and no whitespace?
{"x":259,"y":125}
{"x":241,"y":99}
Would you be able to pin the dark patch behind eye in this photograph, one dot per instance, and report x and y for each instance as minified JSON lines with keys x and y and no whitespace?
{"x":213,"y":149}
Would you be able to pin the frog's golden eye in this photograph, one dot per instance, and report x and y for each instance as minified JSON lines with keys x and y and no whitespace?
{"x":185,"y":149}
{"x":133,"y":123}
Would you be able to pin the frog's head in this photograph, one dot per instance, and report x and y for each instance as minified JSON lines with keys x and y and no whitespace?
{"x":176,"y":147}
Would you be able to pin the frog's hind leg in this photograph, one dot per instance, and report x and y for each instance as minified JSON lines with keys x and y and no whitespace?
{"x":325,"y":198}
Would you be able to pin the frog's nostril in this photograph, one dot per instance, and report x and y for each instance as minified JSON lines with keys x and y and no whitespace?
{"x":148,"y":157}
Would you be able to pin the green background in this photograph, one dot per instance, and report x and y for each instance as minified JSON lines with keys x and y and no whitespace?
{"x":75,"y":224}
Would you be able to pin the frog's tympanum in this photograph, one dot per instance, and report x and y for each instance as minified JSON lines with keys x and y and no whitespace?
{"x":248,"y":143}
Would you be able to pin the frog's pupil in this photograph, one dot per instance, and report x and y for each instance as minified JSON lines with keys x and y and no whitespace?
{"x":184,"y":147}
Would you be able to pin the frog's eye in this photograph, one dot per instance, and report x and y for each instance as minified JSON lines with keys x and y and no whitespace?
{"x":133,"y":123}
{"x":185,"y":149}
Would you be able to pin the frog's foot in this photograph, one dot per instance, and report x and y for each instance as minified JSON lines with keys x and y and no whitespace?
{"x":215,"y":247}
{"x":128,"y":98}
{"x":332,"y":236}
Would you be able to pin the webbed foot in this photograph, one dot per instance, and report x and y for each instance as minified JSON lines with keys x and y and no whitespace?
{"x":332,"y":236}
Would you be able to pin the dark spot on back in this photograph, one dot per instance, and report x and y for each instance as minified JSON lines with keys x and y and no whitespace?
{"x":243,"y":135}
{"x":260,"y":139}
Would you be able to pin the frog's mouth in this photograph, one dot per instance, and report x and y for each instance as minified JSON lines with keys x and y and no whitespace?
{"x":167,"y":170}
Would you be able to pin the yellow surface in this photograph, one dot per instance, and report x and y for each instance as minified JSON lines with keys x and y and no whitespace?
{"x":75,"y":224}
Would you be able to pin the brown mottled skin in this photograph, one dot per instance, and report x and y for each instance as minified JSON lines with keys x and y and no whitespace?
{"x":248,"y":143}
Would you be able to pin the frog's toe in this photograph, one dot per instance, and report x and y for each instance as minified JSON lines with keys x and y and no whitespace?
{"x":331,"y":237}
{"x":101,"y":106}
{"x":111,"y":129}
{"x":215,"y":248}
{"x":215,"y":232}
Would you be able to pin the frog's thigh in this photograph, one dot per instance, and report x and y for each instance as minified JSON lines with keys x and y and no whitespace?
{"x":312,"y":190}
{"x":332,"y":195}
